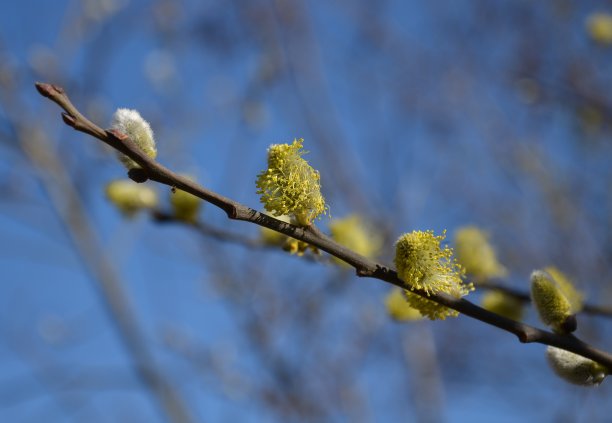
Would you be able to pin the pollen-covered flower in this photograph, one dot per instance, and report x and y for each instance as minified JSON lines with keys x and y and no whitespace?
{"x":502,"y":304}
{"x":431,"y":309}
{"x":423,"y":264}
{"x":550,"y":302}
{"x":599,"y":26}
{"x":352,"y":232}
{"x":398,"y":307}
{"x":574,"y":368}
{"x":297,"y":247}
{"x":130,"y":197}
{"x":290,"y":185}
{"x":130,"y":123}
{"x":574,"y":296}
{"x":476,"y":255}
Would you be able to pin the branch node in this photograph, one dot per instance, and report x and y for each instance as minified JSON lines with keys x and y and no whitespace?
{"x":138,"y":174}
{"x":570,"y":324}
{"x":232,"y":212}
{"x":116,"y":135}
{"x":69,"y":119}
{"x":48,"y":90}
{"x":363,"y":273}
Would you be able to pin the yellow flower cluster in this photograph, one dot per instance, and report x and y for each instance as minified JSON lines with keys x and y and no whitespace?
{"x":431,"y":309}
{"x":185,"y":206}
{"x":297,"y":247}
{"x":423,"y":264}
{"x":599,"y":27}
{"x":476,"y":255}
{"x":290,"y":186}
{"x":353,"y":233}
{"x":502,"y":304}
{"x":552,"y":305}
{"x":575,"y":297}
{"x":130,"y":197}
{"x":398,"y":307}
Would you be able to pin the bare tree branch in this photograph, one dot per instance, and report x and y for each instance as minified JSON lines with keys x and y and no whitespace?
{"x":364,"y":267}
{"x":525,"y":297}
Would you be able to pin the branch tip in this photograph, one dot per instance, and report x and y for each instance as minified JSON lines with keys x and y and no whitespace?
{"x":43,"y":89}
{"x":48,"y":90}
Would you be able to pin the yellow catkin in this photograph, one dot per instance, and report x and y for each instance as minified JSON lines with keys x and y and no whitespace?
{"x":130,"y":197}
{"x":290,"y":186}
{"x":502,"y":304}
{"x":574,"y":296}
{"x":599,"y":27}
{"x":185,"y":206}
{"x":398,"y":307}
{"x":552,"y":306}
{"x":574,"y":368}
{"x":476,"y":255}
{"x":353,"y":233}
{"x":425,"y":265}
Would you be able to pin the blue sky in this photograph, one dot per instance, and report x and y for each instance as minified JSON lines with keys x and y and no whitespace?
{"x":415,"y":114}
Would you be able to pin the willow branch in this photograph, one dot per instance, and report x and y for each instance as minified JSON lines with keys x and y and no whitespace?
{"x":364,"y":267}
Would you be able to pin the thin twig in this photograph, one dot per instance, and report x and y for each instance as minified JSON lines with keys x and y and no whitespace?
{"x":363,"y":266}
{"x":215,"y":233}
{"x":524,"y":297}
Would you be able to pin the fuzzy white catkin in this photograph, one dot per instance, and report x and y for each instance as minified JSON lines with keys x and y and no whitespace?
{"x":130,"y":123}
{"x":575,"y":368}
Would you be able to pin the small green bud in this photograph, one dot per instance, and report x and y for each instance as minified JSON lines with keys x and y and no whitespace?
{"x":574,"y":368}
{"x":553,"y":307}
{"x":130,"y":123}
{"x":185,"y":206}
{"x":130,"y":197}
